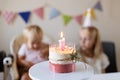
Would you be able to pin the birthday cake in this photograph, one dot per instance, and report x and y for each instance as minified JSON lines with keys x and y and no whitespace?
{"x":60,"y":60}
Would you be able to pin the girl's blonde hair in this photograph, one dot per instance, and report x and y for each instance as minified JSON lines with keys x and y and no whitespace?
{"x":97,"y":47}
{"x":34,"y":30}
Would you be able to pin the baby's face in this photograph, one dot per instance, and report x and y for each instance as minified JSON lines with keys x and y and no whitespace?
{"x":34,"y":42}
{"x":86,"y":40}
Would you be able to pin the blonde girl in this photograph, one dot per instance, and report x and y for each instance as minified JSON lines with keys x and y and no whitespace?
{"x":91,"y":49}
{"x":32,"y":51}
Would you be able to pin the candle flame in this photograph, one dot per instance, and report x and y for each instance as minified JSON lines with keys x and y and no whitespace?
{"x":61,"y":34}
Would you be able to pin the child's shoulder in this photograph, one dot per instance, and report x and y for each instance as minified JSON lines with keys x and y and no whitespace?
{"x":103,"y":55}
{"x":22,"y":50}
{"x":23,"y":46}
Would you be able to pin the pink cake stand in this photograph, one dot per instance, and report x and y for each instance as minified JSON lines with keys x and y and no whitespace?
{"x":62,"y":68}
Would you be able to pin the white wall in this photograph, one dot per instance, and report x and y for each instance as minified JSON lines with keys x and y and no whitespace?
{"x":115,"y":11}
{"x":107,"y":21}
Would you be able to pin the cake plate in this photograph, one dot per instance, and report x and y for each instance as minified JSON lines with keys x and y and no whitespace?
{"x":41,"y":71}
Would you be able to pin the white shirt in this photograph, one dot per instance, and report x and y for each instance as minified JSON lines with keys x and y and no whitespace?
{"x":100,"y":63}
{"x":30,"y":55}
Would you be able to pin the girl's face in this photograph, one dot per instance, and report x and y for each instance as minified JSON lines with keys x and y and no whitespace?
{"x":86,"y":40}
{"x":33,"y":42}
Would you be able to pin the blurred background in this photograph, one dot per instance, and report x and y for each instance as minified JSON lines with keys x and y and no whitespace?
{"x":107,"y":20}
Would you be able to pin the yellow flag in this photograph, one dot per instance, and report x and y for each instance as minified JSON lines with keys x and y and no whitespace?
{"x":92,"y":13}
{"x":85,"y":13}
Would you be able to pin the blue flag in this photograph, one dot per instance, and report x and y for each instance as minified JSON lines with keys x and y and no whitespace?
{"x":54,"y":13}
{"x":25,"y":16}
{"x":98,"y":6}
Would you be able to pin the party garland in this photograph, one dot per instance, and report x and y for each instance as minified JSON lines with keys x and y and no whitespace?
{"x":10,"y":16}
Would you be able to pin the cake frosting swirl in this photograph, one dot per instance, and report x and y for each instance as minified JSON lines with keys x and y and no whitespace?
{"x":58,"y":56}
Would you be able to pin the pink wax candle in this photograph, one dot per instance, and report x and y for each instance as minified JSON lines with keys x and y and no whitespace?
{"x":62,"y":41}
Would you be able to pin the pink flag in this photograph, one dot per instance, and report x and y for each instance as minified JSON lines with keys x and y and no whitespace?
{"x":8,"y":16}
{"x":39,"y":12}
{"x":79,"y":19}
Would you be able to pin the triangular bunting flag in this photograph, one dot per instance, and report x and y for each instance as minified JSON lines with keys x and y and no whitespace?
{"x":79,"y":19}
{"x":8,"y":16}
{"x":39,"y":12}
{"x":85,"y":13}
{"x":25,"y":16}
{"x":66,"y":19}
{"x":98,"y":6}
{"x":54,"y":13}
{"x":92,"y":13}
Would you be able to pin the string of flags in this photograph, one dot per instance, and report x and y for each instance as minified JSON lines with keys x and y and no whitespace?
{"x":10,"y":16}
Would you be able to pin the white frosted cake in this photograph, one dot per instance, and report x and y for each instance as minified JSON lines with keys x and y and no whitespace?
{"x":58,"y":56}
{"x":60,"y":59}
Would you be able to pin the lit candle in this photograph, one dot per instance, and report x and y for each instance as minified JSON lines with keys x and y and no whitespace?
{"x":62,"y":41}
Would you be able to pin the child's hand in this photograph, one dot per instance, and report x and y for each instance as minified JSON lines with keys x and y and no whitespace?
{"x":28,"y":65}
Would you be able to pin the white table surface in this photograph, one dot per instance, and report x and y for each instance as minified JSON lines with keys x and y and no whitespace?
{"x":41,"y":71}
{"x":107,"y":76}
